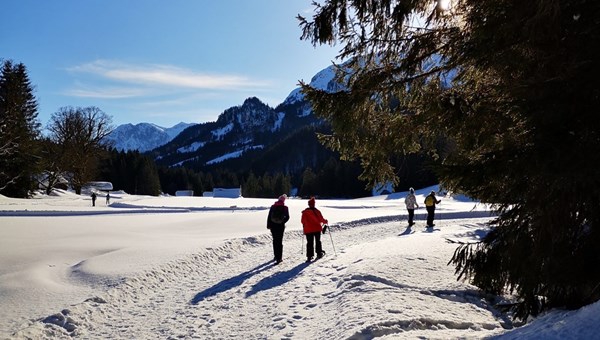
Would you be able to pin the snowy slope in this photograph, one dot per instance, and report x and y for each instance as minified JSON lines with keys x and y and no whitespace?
{"x":195,"y":267}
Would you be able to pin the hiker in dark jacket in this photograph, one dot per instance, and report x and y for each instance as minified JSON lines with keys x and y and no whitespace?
{"x":278,"y":215}
{"x":312,"y":225}
{"x":430,"y":202}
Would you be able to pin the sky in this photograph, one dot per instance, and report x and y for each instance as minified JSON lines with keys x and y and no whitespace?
{"x":161,"y":62}
{"x":202,"y":268}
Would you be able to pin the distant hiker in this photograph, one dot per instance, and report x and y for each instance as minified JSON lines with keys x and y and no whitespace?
{"x":93,"y":199}
{"x":430,"y":202}
{"x":107,"y":198}
{"x":312,"y":225}
{"x":278,"y":215}
{"x":411,"y":204}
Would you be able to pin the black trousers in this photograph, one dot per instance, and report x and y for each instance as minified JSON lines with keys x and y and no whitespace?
{"x":411,"y":216}
{"x":430,"y":215}
{"x":312,"y":240}
{"x":277,"y":234}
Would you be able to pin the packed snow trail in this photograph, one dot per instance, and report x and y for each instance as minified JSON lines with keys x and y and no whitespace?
{"x":386,"y":281}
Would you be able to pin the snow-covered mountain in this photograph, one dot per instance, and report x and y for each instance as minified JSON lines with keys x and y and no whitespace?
{"x":251,"y":117}
{"x":323,"y":80}
{"x":254,"y":132}
{"x":237,"y":130}
{"x":280,"y":139}
{"x":144,"y":136}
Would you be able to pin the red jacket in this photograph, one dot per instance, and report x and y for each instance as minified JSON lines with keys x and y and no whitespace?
{"x":312,"y":220}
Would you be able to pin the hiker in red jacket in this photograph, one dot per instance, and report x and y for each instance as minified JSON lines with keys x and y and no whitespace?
{"x":312,"y":224}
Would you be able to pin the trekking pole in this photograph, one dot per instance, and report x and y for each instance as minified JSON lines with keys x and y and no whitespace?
{"x":302,"y":245}
{"x":331,"y":238}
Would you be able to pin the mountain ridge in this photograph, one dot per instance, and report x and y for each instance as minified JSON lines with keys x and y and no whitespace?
{"x":144,"y":136}
{"x":254,"y":138}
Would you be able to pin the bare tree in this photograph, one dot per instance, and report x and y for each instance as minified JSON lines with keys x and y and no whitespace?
{"x":7,"y":149}
{"x":80,"y":135}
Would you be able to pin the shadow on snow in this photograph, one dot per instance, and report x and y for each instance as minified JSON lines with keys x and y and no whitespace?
{"x":408,"y":231}
{"x":276,"y":279}
{"x":262,"y":285}
{"x":230,"y":283}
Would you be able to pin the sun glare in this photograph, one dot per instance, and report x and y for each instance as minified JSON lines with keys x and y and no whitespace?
{"x":444,"y":5}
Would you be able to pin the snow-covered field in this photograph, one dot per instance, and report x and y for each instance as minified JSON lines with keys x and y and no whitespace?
{"x":201,"y":268}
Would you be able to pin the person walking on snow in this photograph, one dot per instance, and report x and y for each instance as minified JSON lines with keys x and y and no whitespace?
{"x":312,"y":225}
{"x":411,"y":204}
{"x":93,"y":199}
{"x":278,"y":216}
{"x":107,"y":198}
{"x":430,"y":202}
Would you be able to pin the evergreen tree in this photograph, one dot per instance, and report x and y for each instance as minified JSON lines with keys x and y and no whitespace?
{"x":146,"y":179}
{"x":131,"y":172}
{"x":329,"y":179}
{"x":309,"y":183}
{"x":174,"y":179}
{"x":267,"y":187}
{"x":505,"y":95}
{"x":209,"y":183}
{"x":196,"y":182}
{"x":225,"y":178}
{"x":250,"y":188}
{"x":281,"y":185}
{"x":19,"y":130}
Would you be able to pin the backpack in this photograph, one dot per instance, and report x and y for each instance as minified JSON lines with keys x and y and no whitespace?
{"x":429,"y":201}
{"x":278,"y":215}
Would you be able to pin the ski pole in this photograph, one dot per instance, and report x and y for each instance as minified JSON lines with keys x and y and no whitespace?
{"x":302,"y":245}
{"x":331,"y":238}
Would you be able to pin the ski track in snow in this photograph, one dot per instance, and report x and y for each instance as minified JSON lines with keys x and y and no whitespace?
{"x":236,"y":291}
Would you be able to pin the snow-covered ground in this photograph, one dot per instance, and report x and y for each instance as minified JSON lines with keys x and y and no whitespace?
{"x":201,"y":268}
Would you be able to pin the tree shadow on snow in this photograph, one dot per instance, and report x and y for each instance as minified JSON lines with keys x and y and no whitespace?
{"x":230,"y":283}
{"x":276,"y":279}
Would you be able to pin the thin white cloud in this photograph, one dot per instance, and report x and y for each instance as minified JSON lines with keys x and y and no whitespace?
{"x":166,"y":75}
{"x":180,"y":100}
{"x":106,"y":93}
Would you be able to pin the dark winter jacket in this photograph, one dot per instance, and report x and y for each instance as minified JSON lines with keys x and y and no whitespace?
{"x":286,"y":215}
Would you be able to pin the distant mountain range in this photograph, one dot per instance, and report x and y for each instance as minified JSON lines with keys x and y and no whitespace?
{"x":144,"y":136}
{"x":248,"y":132}
{"x":254,"y":138}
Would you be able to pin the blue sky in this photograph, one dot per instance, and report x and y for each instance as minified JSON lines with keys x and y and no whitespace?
{"x":161,"y":62}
